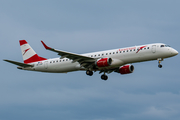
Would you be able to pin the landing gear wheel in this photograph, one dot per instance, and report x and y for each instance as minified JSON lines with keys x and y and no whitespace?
{"x":104,"y":77}
{"x":160,"y":66}
{"x":159,"y":62}
{"x":88,"y":72}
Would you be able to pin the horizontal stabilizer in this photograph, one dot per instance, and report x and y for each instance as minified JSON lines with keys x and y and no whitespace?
{"x":19,"y":63}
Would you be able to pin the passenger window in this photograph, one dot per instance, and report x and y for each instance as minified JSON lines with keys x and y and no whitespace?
{"x":124,"y":51}
{"x":106,"y":53}
{"x":94,"y":55}
{"x":53,"y":61}
{"x":99,"y":55}
{"x":119,"y":51}
{"x":147,"y":47}
{"x":91,"y":55}
{"x":116,"y":52}
{"x":110,"y":53}
{"x":113,"y":52}
{"x":127,"y":50}
{"x":59,"y":60}
{"x":102,"y":54}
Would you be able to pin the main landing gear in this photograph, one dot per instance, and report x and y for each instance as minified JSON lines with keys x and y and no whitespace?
{"x":104,"y":77}
{"x":90,"y":73}
{"x":159,"y":62}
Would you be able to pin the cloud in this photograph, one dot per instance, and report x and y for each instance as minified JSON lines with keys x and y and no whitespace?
{"x":82,"y":27}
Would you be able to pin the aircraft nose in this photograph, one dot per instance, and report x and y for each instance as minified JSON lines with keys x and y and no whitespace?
{"x":174,"y":52}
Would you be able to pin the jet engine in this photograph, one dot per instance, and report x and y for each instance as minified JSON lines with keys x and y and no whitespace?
{"x":126,"y":69}
{"x":103,"y":62}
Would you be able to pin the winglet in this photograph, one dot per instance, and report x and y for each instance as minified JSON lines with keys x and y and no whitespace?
{"x":45,"y":45}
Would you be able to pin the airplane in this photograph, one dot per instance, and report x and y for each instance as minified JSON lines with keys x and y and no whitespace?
{"x":117,"y":60}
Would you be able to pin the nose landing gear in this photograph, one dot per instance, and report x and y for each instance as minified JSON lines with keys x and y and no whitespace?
{"x":160,"y":66}
{"x":159,"y":62}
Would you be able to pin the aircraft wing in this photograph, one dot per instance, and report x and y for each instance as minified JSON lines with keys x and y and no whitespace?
{"x":83,"y":60}
{"x":19,"y":63}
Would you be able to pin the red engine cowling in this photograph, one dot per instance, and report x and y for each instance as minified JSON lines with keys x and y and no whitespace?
{"x":103,"y":62}
{"x":126,"y":69}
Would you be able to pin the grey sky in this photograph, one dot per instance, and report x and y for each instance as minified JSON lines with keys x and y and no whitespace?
{"x":86,"y":26}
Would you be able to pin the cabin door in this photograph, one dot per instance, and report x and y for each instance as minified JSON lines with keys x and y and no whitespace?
{"x":153,"y":48}
{"x":46,"y":64}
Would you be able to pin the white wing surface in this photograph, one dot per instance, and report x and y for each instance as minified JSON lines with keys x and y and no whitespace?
{"x":83,"y":60}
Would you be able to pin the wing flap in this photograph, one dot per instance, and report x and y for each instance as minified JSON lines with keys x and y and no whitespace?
{"x":19,"y":63}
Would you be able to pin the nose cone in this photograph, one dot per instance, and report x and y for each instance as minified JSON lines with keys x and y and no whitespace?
{"x":174,"y":52}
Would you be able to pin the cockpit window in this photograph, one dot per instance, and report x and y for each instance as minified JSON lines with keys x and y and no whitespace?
{"x":167,"y":45}
{"x":162,"y":45}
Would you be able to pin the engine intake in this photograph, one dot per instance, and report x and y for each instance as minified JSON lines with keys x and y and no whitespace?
{"x":126,"y":69}
{"x":103,"y":62}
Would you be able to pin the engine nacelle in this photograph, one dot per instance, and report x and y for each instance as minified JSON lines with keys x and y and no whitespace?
{"x":126,"y":69}
{"x":103,"y":62}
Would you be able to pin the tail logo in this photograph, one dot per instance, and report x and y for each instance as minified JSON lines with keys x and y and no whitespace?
{"x":26,"y":51}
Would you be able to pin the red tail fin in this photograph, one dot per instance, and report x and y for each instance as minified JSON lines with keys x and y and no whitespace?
{"x":29,"y":55}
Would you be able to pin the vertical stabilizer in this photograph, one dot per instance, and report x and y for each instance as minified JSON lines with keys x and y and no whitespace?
{"x":29,"y":55}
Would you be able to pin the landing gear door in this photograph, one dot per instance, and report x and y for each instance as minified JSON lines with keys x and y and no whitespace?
{"x":153,"y":48}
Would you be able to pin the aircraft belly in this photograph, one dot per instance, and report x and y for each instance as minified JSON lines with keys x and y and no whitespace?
{"x":67,"y":68}
{"x":62,"y":68}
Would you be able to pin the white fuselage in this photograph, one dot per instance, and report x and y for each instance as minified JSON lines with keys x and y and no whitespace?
{"x":119,"y":56}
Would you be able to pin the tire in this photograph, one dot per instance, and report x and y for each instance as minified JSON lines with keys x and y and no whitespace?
{"x":160,"y":66}
{"x":104,"y":77}
{"x":88,"y":72}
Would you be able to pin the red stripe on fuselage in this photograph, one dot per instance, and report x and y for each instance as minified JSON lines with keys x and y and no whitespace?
{"x":34,"y":58}
{"x":22,"y":42}
{"x":140,"y":48}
